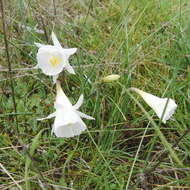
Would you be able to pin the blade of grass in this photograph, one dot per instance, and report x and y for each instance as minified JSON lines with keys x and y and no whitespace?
{"x":107,"y":164}
{"x":34,"y":145}
{"x":136,"y":156}
{"x":5,"y":170}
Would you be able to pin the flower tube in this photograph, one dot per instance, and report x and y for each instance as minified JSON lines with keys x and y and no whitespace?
{"x":166,"y":106}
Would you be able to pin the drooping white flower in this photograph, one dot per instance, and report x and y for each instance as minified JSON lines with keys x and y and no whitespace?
{"x":166,"y":106}
{"x":68,"y":122}
{"x":52,"y":59}
{"x":111,"y":78}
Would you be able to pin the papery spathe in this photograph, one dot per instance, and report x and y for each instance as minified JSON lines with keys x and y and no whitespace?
{"x":68,"y":122}
{"x":110,"y":78}
{"x":166,"y":106}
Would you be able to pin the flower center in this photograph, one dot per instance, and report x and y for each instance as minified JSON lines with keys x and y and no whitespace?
{"x":55,"y":61}
{"x":70,"y":124}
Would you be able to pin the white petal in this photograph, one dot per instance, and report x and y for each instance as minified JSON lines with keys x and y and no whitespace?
{"x":158,"y":104}
{"x":83,"y":115}
{"x":36,"y":67}
{"x":169,"y":110}
{"x":61,"y":98}
{"x":55,"y":77}
{"x":79,"y":102}
{"x":48,"y":117}
{"x":68,"y":123}
{"x":69,"y":68}
{"x":55,"y":40}
{"x":69,"y":51}
{"x":39,"y":45}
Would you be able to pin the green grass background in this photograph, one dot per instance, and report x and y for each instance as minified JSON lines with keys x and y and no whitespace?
{"x":147,"y":42}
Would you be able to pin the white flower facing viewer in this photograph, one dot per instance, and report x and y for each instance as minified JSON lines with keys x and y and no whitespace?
{"x":68,"y":122}
{"x":161,"y":106}
{"x":52,"y":59}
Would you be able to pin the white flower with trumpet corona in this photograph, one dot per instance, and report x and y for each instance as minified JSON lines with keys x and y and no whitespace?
{"x":161,"y":106}
{"x":68,"y":122}
{"x":52,"y":59}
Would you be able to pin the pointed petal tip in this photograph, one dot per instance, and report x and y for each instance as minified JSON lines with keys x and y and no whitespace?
{"x":74,"y":50}
{"x":83,"y":115}
{"x":36,"y":67}
{"x":55,"y":40}
{"x":70,"y":51}
{"x":41,"y":119}
{"x":81,"y":98}
{"x":39,"y":45}
{"x":48,"y":117}
{"x":70,"y":69}
{"x":79,"y":102}
{"x":71,"y":72}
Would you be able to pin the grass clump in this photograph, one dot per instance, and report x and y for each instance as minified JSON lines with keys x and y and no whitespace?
{"x":145,"y":42}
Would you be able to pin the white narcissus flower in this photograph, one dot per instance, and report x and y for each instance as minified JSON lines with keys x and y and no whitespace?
{"x":158,"y":104}
{"x":52,"y":59}
{"x":68,"y":122}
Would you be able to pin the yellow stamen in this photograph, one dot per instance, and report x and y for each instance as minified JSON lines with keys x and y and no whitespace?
{"x":54,"y":61}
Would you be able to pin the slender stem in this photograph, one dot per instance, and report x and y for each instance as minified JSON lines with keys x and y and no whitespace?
{"x":40,"y":16}
{"x":54,"y":7}
{"x":8,"y":61}
{"x":44,"y":28}
{"x":88,"y":12}
{"x":18,"y":113}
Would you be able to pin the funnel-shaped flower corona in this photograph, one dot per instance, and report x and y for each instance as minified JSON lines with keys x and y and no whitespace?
{"x":68,"y":122}
{"x":161,"y":106}
{"x":52,"y":59}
